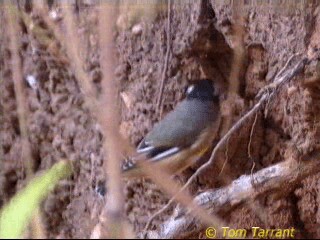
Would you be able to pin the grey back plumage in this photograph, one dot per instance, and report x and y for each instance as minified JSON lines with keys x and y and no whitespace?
{"x":180,"y":127}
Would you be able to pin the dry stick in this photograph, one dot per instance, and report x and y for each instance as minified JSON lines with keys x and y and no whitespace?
{"x":113,"y":212}
{"x":277,"y":77}
{"x":286,"y":65}
{"x":237,"y":65}
{"x":255,"y":210}
{"x":16,"y":68}
{"x":165,"y":68}
{"x":258,"y":106}
{"x":72,"y":44}
{"x":227,"y":158}
{"x":237,"y":62}
{"x":251,"y":134}
{"x":250,"y":140}
{"x":108,"y":121}
{"x":271,"y":179}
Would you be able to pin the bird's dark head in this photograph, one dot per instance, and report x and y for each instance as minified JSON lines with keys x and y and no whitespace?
{"x":202,"y":90}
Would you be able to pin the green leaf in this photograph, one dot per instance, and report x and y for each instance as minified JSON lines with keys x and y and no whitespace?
{"x":16,"y":215}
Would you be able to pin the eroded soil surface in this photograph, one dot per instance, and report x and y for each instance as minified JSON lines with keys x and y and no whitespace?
{"x":202,"y":44}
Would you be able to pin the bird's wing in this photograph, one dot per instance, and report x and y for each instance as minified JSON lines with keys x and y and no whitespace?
{"x":149,"y":153}
{"x":178,"y":130}
{"x":156,"y":153}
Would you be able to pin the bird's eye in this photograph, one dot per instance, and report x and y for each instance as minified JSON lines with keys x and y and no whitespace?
{"x":190,"y":89}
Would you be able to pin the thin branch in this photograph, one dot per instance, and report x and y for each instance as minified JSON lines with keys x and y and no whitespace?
{"x":250,"y":141}
{"x":272,"y":179}
{"x":113,"y":211}
{"x":112,"y":215}
{"x":16,"y":68}
{"x":226,"y":158}
{"x":286,"y":65}
{"x":251,"y":134}
{"x":72,"y":43}
{"x":257,"y":107}
{"x":22,"y":107}
{"x":238,"y":63}
{"x":165,"y":68}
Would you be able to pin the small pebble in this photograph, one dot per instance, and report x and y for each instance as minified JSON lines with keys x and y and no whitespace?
{"x":137,"y":29}
{"x":32,"y":82}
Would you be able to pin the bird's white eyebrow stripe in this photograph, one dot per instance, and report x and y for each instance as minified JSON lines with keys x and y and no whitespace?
{"x":166,"y":153}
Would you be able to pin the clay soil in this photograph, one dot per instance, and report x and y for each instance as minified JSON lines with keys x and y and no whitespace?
{"x":203,"y":43}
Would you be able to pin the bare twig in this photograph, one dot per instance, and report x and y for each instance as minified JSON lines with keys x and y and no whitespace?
{"x":72,"y":43}
{"x":238,"y":62}
{"x":112,"y":216}
{"x":238,"y":47}
{"x":257,"y":107}
{"x":165,"y":68}
{"x":278,"y":79}
{"x":251,"y":134}
{"x":249,"y":144}
{"x":286,"y":66}
{"x":22,"y":107}
{"x":226,"y":160}
{"x":16,"y":68}
{"x":272,"y":179}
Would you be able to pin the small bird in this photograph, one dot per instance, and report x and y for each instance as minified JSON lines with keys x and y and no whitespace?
{"x":183,"y":135}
